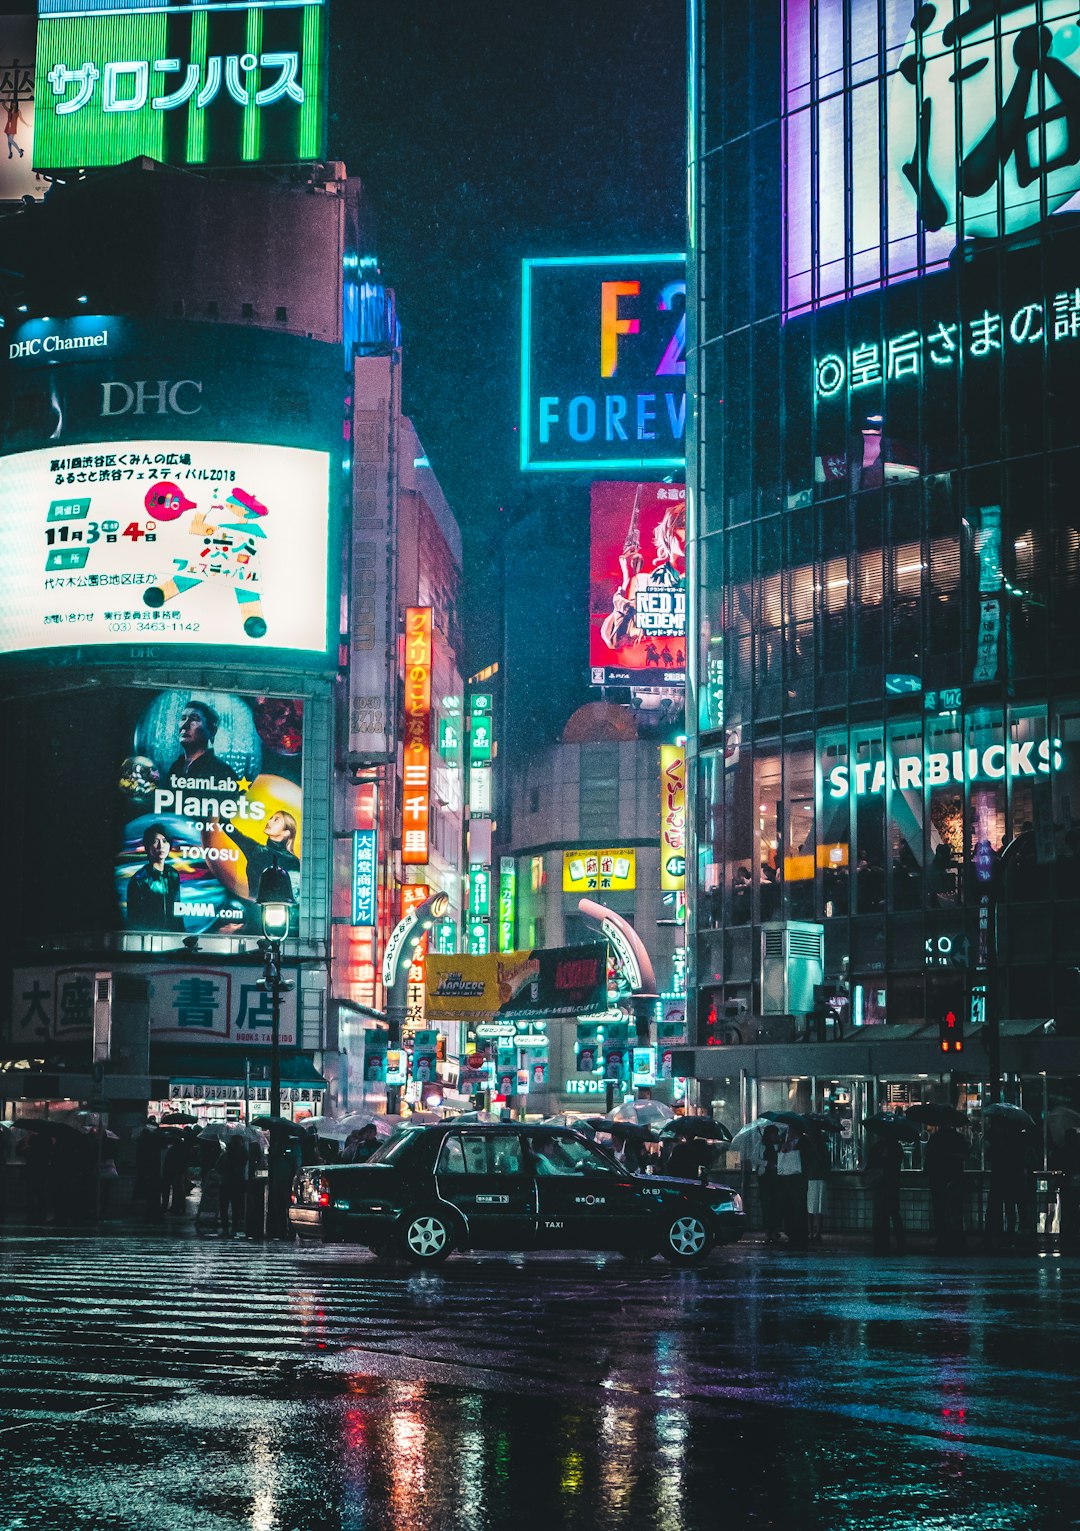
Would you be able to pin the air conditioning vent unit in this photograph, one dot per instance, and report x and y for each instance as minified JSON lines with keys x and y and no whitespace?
{"x":792,"y":962}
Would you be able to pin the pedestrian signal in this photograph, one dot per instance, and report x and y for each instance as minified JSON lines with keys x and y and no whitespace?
{"x":951,"y":1032}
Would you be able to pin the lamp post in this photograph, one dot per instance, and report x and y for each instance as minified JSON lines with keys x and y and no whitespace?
{"x":397,"y":959}
{"x":275,"y":898}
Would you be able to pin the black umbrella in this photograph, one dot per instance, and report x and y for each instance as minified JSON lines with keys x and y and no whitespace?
{"x":277,"y":1124}
{"x":629,"y":1131}
{"x":888,"y":1124}
{"x":823,"y":1123}
{"x":1013,"y":1116}
{"x":931,"y":1114}
{"x":42,"y":1124}
{"x":696,"y":1127}
{"x":178,"y":1119}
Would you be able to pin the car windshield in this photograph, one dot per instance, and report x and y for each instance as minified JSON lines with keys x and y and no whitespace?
{"x":570,"y":1156}
{"x":394,"y":1147}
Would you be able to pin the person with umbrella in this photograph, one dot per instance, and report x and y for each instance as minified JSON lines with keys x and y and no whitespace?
{"x":884,"y":1162}
{"x":1066,"y":1160}
{"x":235,"y":1171}
{"x":769,"y":1182}
{"x":791,"y":1173}
{"x":1011,"y":1155}
{"x":943,"y":1163}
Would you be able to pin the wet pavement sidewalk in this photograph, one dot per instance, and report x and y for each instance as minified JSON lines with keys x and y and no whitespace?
{"x":182,"y":1382}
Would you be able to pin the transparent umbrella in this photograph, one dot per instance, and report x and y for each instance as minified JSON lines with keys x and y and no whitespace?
{"x":646,"y":1113}
{"x":1060,"y":1119}
{"x":336,"y":1129}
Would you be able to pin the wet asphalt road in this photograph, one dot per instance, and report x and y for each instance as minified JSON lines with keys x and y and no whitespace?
{"x":166,"y":1383}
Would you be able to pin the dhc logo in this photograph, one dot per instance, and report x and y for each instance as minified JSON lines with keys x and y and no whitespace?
{"x":143,"y":398}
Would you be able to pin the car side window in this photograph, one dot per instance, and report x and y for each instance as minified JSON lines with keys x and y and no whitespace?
{"x":452,"y":1158}
{"x":475,"y":1153}
{"x":568,"y":1156}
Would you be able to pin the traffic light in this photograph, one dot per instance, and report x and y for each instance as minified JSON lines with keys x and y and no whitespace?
{"x":951,"y":1031}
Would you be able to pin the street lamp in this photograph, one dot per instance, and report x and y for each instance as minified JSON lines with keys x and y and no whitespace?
{"x":397,"y":960}
{"x":275,"y":899}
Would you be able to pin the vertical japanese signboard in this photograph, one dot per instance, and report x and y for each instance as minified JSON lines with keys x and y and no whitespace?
{"x":481,"y":750}
{"x":507,"y":902}
{"x":672,"y":817}
{"x":365,"y":865}
{"x":215,"y":82}
{"x":416,"y":798}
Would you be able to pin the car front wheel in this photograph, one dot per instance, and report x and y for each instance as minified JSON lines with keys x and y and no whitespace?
{"x":687,"y":1239}
{"x":426,"y":1238}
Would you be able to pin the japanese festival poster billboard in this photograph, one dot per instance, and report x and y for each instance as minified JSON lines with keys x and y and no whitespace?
{"x":194,"y":543}
{"x":185,"y":82}
{"x":637,"y":584}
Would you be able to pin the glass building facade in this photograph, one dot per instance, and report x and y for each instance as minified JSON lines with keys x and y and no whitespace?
{"x":884,"y":495}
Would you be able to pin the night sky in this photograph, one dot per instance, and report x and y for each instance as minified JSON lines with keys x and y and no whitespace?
{"x":483,"y":133}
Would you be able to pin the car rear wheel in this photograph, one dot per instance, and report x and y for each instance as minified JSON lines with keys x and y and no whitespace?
{"x":687,"y":1239}
{"x":426,"y":1238}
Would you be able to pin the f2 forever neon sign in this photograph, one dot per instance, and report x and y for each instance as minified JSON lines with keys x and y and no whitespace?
{"x":603,"y":362}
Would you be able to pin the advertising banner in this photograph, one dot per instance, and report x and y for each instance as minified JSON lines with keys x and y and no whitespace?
{"x":18,"y":178}
{"x":121,"y":542}
{"x":365,"y":905}
{"x":507,"y":902}
{"x":637,"y":584}
{"x":590,"y":871}
{"x":525,"y":985}
{"x":416,"y":798}
{"x":186,"y":1004}
{"x":603,"y":362}
{"x":186,"y":82}
{"x":672,"y":817}
{"x":210,"y":792}
{"x":163,"y":808}
{"x":425,"y":1053}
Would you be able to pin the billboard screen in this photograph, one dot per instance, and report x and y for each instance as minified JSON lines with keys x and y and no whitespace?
{"x":221,"y":544}
{"x":163,"y":482}
{"x":603,"y":362}
{"x":910,"y":131}
{"x":637,"y":584}
{"x":195,"y":82}
{"x":162,"y":807}
{"x":570,"y":980}
{"x":18,"y":179}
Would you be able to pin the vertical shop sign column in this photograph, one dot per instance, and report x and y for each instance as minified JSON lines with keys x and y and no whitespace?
{"x":481,"y":749}
{"x":416,"y":796}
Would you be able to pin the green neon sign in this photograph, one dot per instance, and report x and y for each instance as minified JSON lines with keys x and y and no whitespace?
{"x":219,"y":83}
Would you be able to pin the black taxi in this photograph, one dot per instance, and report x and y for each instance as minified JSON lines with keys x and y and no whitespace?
{"x":431,"y":1190}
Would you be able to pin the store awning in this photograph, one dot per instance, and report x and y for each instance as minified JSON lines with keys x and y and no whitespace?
{"x":297,"y":1071}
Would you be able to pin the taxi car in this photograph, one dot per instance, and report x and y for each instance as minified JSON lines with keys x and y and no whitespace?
{"x":431,"y":1190}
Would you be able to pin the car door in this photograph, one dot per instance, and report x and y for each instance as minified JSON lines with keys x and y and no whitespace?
{"x":488,"y":1178}
{"x":584,"y":1199}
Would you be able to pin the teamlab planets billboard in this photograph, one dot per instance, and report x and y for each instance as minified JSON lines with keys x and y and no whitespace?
{"x":209,"y":795}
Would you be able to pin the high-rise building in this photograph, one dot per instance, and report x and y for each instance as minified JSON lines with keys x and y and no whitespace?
{"x":216,"y":521}
{"x":884,"y":554}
